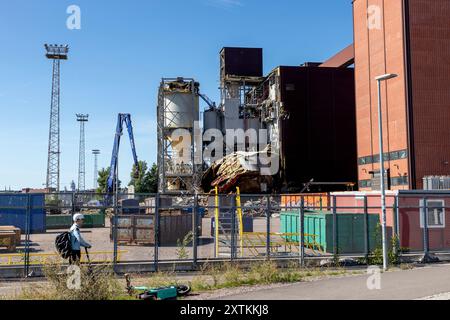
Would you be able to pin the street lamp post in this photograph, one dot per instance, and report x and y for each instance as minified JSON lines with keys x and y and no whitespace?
{"x":382,"y":176}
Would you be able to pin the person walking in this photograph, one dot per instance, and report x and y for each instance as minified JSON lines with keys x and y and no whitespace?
{"x":76,"y":239}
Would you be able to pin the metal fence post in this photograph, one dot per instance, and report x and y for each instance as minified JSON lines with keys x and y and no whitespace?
{"x":115,"y":220}
{"x":366,"y":229}
{"x":268,"y":228}
{"x":396,"y":228}
{"x":73,"y":203}
{"x":156,"y":231}
{"x":233,"y":229}
{"x":302,"y":232}
{"x":335,"y":244}
{"x":27,"y":236}
{"x":195,"y":222}
{"x":426,"y":246}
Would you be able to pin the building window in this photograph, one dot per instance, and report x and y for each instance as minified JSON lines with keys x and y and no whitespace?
{"x":399,"y":181}
{"x":435,"y":215}
{"x":395,"y":155}
{"x":403,"y":154}
{"x":365,"y":183}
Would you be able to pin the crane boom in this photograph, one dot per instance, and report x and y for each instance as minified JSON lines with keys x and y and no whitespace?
{"x":123,"y":118}
{"x":211,"y":104}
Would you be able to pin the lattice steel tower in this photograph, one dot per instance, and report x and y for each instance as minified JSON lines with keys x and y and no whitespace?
{"x":55,"y":53}
{"x":82,"y":119}
{"x":95,"y":152}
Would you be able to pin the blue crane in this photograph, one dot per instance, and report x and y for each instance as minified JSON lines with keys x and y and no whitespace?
{"x":123,"y":118}
{"x":211,"y":104}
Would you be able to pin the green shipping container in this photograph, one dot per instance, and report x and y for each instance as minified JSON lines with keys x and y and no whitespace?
{"x":62,"y":221}
{"x":58,"y":221}
{"x":350,"y":230}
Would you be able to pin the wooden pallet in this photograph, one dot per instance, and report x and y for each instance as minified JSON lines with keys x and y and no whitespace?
{"x":8,"y":240}
{"x":16,"y":231}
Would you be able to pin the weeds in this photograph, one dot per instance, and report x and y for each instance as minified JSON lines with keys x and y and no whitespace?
{"x":182,"y":252}
{"x":161,"y":279}
{"x":100,"y":283}
{"x":97,"y":283}
{"x":261,"y":273}
{"x":376,"y":256}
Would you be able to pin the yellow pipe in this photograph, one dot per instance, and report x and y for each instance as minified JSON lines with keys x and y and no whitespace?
{"x":217,"y":220}
{"x":241,"y":223}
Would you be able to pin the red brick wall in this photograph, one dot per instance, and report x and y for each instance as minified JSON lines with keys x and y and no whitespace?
{"x":430,"y":70}
{"x":380,"y":51}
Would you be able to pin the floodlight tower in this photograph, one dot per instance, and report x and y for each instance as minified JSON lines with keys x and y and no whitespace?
{"x":82,"y":119}
{"x":95,"y":152}
{"x":55,"y":53}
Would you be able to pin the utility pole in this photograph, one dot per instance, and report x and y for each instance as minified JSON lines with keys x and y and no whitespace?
{"x":82,"y":119}
{"x":55,"y":53}
{"x":95,"y":152}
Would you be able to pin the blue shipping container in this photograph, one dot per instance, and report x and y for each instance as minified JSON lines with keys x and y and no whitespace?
{"x":13,"y":211}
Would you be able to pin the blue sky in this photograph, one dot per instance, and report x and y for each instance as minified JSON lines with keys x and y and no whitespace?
{"x":118,"y":58}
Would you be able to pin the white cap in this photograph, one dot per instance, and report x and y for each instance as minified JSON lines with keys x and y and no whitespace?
{"x":77,"y":217}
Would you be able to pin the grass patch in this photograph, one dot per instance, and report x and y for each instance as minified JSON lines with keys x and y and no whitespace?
{"x":97,"y":283}
{"x":100,"y":282}
{"x":228,"y":275}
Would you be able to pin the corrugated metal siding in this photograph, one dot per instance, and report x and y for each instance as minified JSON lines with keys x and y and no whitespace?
{"x":13,"y":211}
{"x":319,"y":226}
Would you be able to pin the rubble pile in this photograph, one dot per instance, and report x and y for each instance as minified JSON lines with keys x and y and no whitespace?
{"x":189,"y":201}
{"x":238,"y":169}
{"x":258,"y":207}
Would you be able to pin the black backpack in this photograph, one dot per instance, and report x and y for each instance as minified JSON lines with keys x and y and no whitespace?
{"x":63,"y":245}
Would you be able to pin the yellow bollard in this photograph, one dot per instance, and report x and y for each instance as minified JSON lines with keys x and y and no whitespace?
{"x":241,"y":223}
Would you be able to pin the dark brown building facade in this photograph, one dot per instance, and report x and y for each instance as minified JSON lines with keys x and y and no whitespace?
{"x":411,"y":39}
{"x":319,"y":131}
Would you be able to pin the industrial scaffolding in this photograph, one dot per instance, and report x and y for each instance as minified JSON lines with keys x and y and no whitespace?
{"x":179,"y":136}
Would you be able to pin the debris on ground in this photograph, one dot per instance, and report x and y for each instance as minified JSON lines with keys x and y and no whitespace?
{"x":189,"y":201}
{"x":258,"y":207}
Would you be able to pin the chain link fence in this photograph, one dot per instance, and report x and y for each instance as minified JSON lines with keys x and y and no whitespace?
{"x":163,"y":228}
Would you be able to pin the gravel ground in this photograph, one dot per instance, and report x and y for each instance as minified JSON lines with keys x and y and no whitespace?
{"x":100,"y":240}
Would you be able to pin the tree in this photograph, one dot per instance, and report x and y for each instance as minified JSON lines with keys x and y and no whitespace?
{"x":137,"y":181}
{"x":103,"y":180}
{"x":151,"y":179}
{"x":147,"y":180}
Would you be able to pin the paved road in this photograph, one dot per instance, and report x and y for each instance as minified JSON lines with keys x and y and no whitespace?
{"x":425,"y":282}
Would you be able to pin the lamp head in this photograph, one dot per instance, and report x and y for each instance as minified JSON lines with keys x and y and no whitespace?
{"x":386,"y":77}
